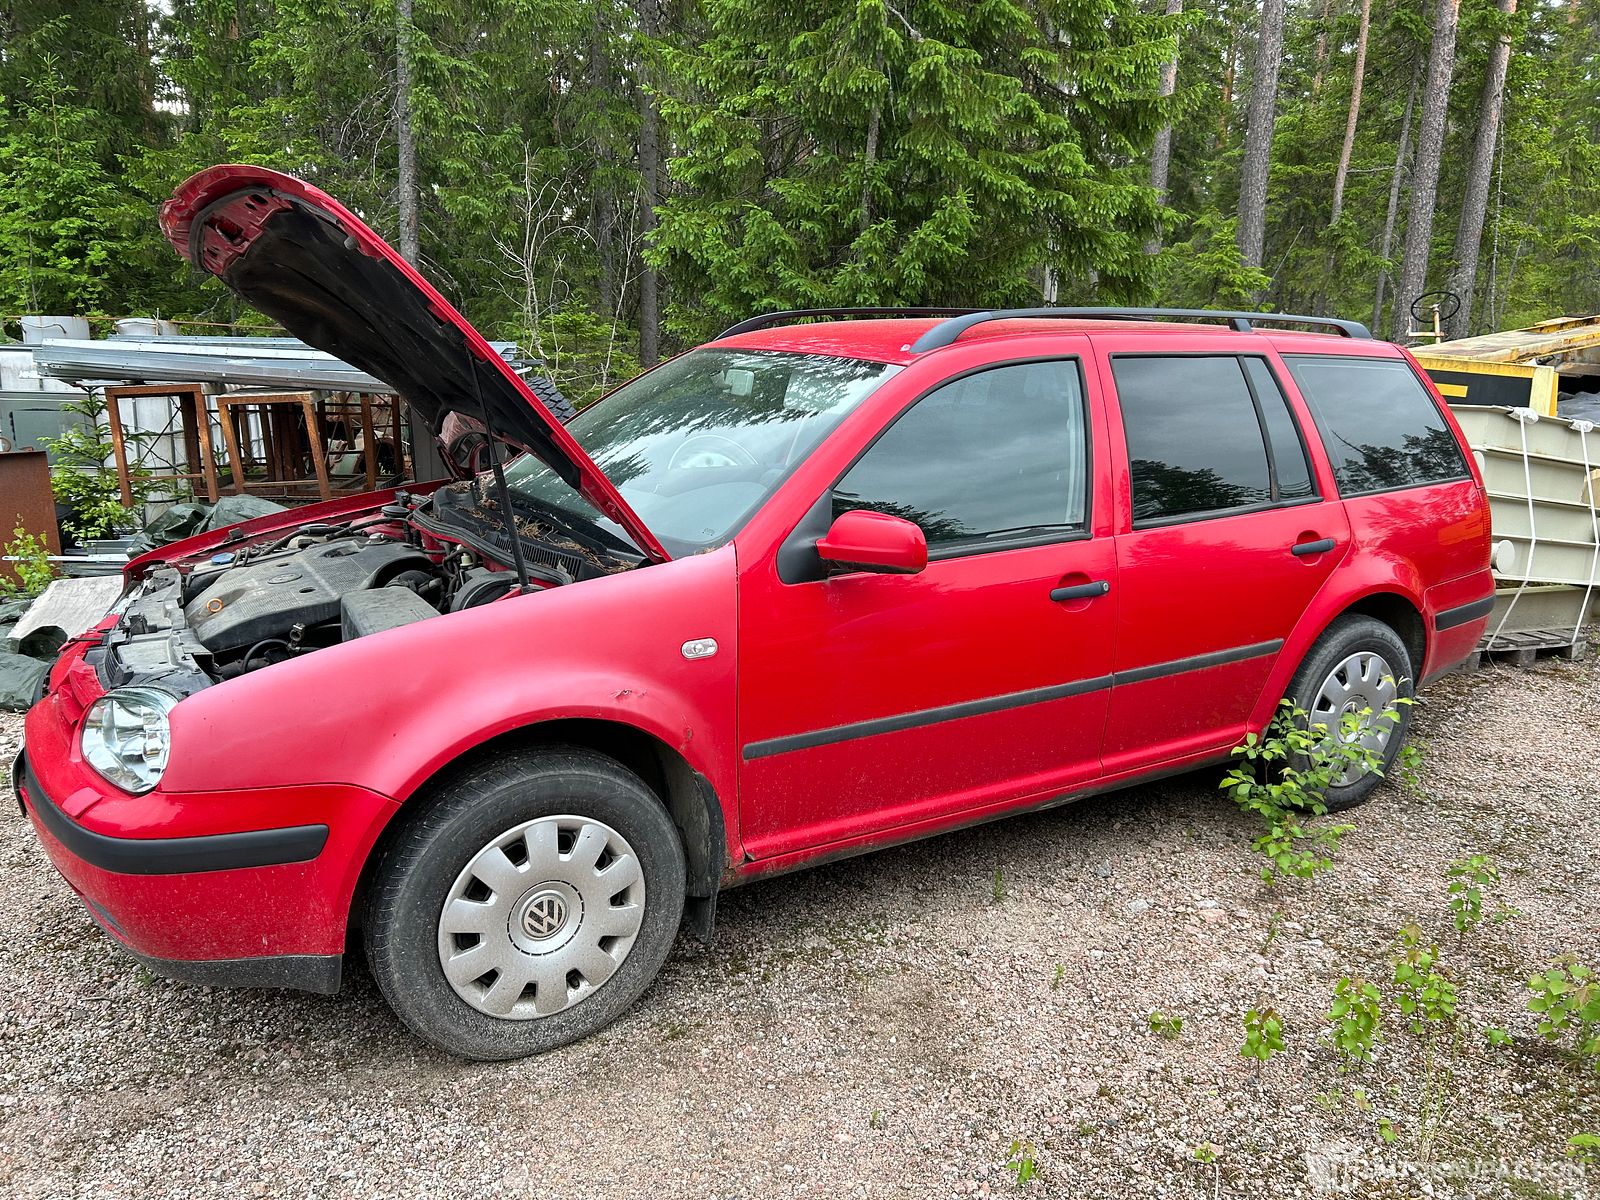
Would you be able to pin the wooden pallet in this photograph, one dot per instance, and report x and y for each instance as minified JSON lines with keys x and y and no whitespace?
{"x":1524,"y":647}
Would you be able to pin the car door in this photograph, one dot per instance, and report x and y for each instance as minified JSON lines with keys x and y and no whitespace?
{"x":1226,"y":532}
{"x":872,"y":703}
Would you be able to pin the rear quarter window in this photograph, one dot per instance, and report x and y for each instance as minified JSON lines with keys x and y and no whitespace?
{"x":1380,"y":427}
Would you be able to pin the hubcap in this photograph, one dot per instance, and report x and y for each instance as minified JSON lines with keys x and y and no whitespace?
{"x":1363,"y":684}
{"x":541,"y":917}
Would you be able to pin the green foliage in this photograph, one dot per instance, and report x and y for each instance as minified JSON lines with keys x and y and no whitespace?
{"x":1283,"y":774}
{"x":31,"y":561}
{"x":1424,"y":992}
{"x":1206,"y":1153}
{"x":1020,"y":1162}
{"x":863,"y":153}
{"x":1468,"y":877}
{"x":1263,"y":1034}
{"x":81,"y":480}
{"x":999,"y":885}
{"x":1166,"y":1026}
{"x":1355,"y":1016}
{"x":1566,"y":999}
{"x":1585,"y":1148}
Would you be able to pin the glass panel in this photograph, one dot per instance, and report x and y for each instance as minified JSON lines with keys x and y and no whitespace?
{"x":999,"y":453}
{"x":1381,"y":428}
{"x":1283,"y":435}
{"x":1194,"y":441}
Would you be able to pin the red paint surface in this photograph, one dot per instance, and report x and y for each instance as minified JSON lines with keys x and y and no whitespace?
{"x":347,"y":735}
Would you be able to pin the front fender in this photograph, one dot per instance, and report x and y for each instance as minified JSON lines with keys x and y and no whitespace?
{"x":385,"y":712}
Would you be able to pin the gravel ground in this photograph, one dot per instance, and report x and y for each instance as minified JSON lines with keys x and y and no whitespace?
{"x":892,"y":1025}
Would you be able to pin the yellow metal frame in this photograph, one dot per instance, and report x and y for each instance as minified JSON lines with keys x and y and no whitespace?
{"x":1542,"y":391}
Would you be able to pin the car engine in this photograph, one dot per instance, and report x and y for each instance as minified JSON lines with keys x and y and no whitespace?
{"x":245,"y":609}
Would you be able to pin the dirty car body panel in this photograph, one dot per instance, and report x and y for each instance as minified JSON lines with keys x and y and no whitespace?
{"x":1011,"y":629}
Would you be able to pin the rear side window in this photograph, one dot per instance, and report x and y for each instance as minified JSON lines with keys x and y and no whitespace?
{"x":1381,"y":428}
{"x":1199,"y":430}
{"x":991,"y":458}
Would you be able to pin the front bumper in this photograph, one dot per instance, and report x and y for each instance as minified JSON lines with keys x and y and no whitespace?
{"x":241,"y":888}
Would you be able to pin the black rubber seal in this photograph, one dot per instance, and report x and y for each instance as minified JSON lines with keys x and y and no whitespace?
{"x":1451,"y":617}
{"x":173,"y":856}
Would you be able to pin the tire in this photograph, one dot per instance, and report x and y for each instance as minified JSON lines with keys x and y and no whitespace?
{"x":550,"y":396}
{"x":1349,"y":637}
{"x":582,"y":959}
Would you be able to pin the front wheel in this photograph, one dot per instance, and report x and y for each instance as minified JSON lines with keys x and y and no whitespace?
{"x":1358,"y":666}
{"x":528,"y":904}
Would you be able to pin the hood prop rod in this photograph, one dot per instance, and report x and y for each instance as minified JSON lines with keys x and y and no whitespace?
{"x":502,"y":489}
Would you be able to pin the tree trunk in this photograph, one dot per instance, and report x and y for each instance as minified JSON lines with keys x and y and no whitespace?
{"x":1161,"y":152}
{"x":874,"y":120}
{"x":1260,"y":119}
{"x":1322,"y":48}
{"x":650,"y":192}
{"x":1401,"y":150}
{"x":603,"y":210}
{"x":406,"y":136}
{"x":1343,"y":173}
{"x":1425,"y":175}
{"x":1475,"y":200}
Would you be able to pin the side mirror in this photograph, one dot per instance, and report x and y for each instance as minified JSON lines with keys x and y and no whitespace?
{"x":872,"y":541}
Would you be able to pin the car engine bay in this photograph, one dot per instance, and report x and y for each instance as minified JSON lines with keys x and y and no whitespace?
{"x":189,"y":623}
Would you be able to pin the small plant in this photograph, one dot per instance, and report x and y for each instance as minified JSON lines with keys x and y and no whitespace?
{"x":1566,"y":998}
{"x":1058,"y":978}
{"x":999,"y":886}
{"x":1497,"y":1036}
{"x":1021,"y":1164}
{"x":1167,"y":1027}
{"x":1468,"y":877}
{"x":1584,"y":1148}
{"x":30,"y":559}
{"x":1386,"y":1131}
{"x":1354,"y":1015}
{"x":80,"y":479}
{"x":1206,"y":1153}
{"x":1424,"y":992}
{"x":1263,"y":1034}
{"x":1283,"y":775}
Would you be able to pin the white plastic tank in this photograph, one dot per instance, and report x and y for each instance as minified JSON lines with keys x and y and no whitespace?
{"x":141,"y":327}
{"x":36,"y":329}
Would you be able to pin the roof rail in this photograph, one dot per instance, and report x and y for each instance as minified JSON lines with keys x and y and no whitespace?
{"x":801,"y":314}
{"x":946,"y":332}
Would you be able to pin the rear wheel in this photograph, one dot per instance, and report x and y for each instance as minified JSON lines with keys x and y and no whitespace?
{"x":527,"y":906}
{"x":1358,"y":666}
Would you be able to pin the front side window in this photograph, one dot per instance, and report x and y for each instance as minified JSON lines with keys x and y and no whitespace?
{"x":698,"y":444}
{"x":992,"y":458}
{"x":1195,"y":439}
{"x":1381,"y":429}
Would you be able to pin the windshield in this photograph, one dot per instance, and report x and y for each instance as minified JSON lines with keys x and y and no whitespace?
{"x":699,"y":443}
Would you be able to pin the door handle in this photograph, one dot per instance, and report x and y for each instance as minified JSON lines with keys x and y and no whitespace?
{"x":1300,"y":549}
{"x":1081,"y":591}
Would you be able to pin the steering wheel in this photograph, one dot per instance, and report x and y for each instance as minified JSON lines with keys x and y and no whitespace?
{"x":732,"y":454}
{"x":1422,"y":306}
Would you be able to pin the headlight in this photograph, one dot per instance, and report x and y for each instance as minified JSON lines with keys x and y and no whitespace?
{"x":126,"y":736}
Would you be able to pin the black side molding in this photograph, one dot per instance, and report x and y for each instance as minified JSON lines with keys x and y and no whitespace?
{"x":173,"y":856}
{"x":1460,"y":615}
{"x":994,"y":704}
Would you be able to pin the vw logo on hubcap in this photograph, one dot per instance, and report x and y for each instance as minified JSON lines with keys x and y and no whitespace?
{"x":545,"y":914}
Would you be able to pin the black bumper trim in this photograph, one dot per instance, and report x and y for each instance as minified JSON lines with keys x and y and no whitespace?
{"x":320,"y":973}
{"x":1460,"y":615}
{"x":174,"y":856}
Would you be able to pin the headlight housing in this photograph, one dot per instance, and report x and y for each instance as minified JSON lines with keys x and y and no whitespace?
{"x":126,"y":737}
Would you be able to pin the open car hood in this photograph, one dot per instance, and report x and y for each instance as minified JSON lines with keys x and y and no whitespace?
{"x":302,"y":258}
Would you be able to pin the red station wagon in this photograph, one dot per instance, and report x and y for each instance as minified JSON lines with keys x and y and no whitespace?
{"x":814,"y":588}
